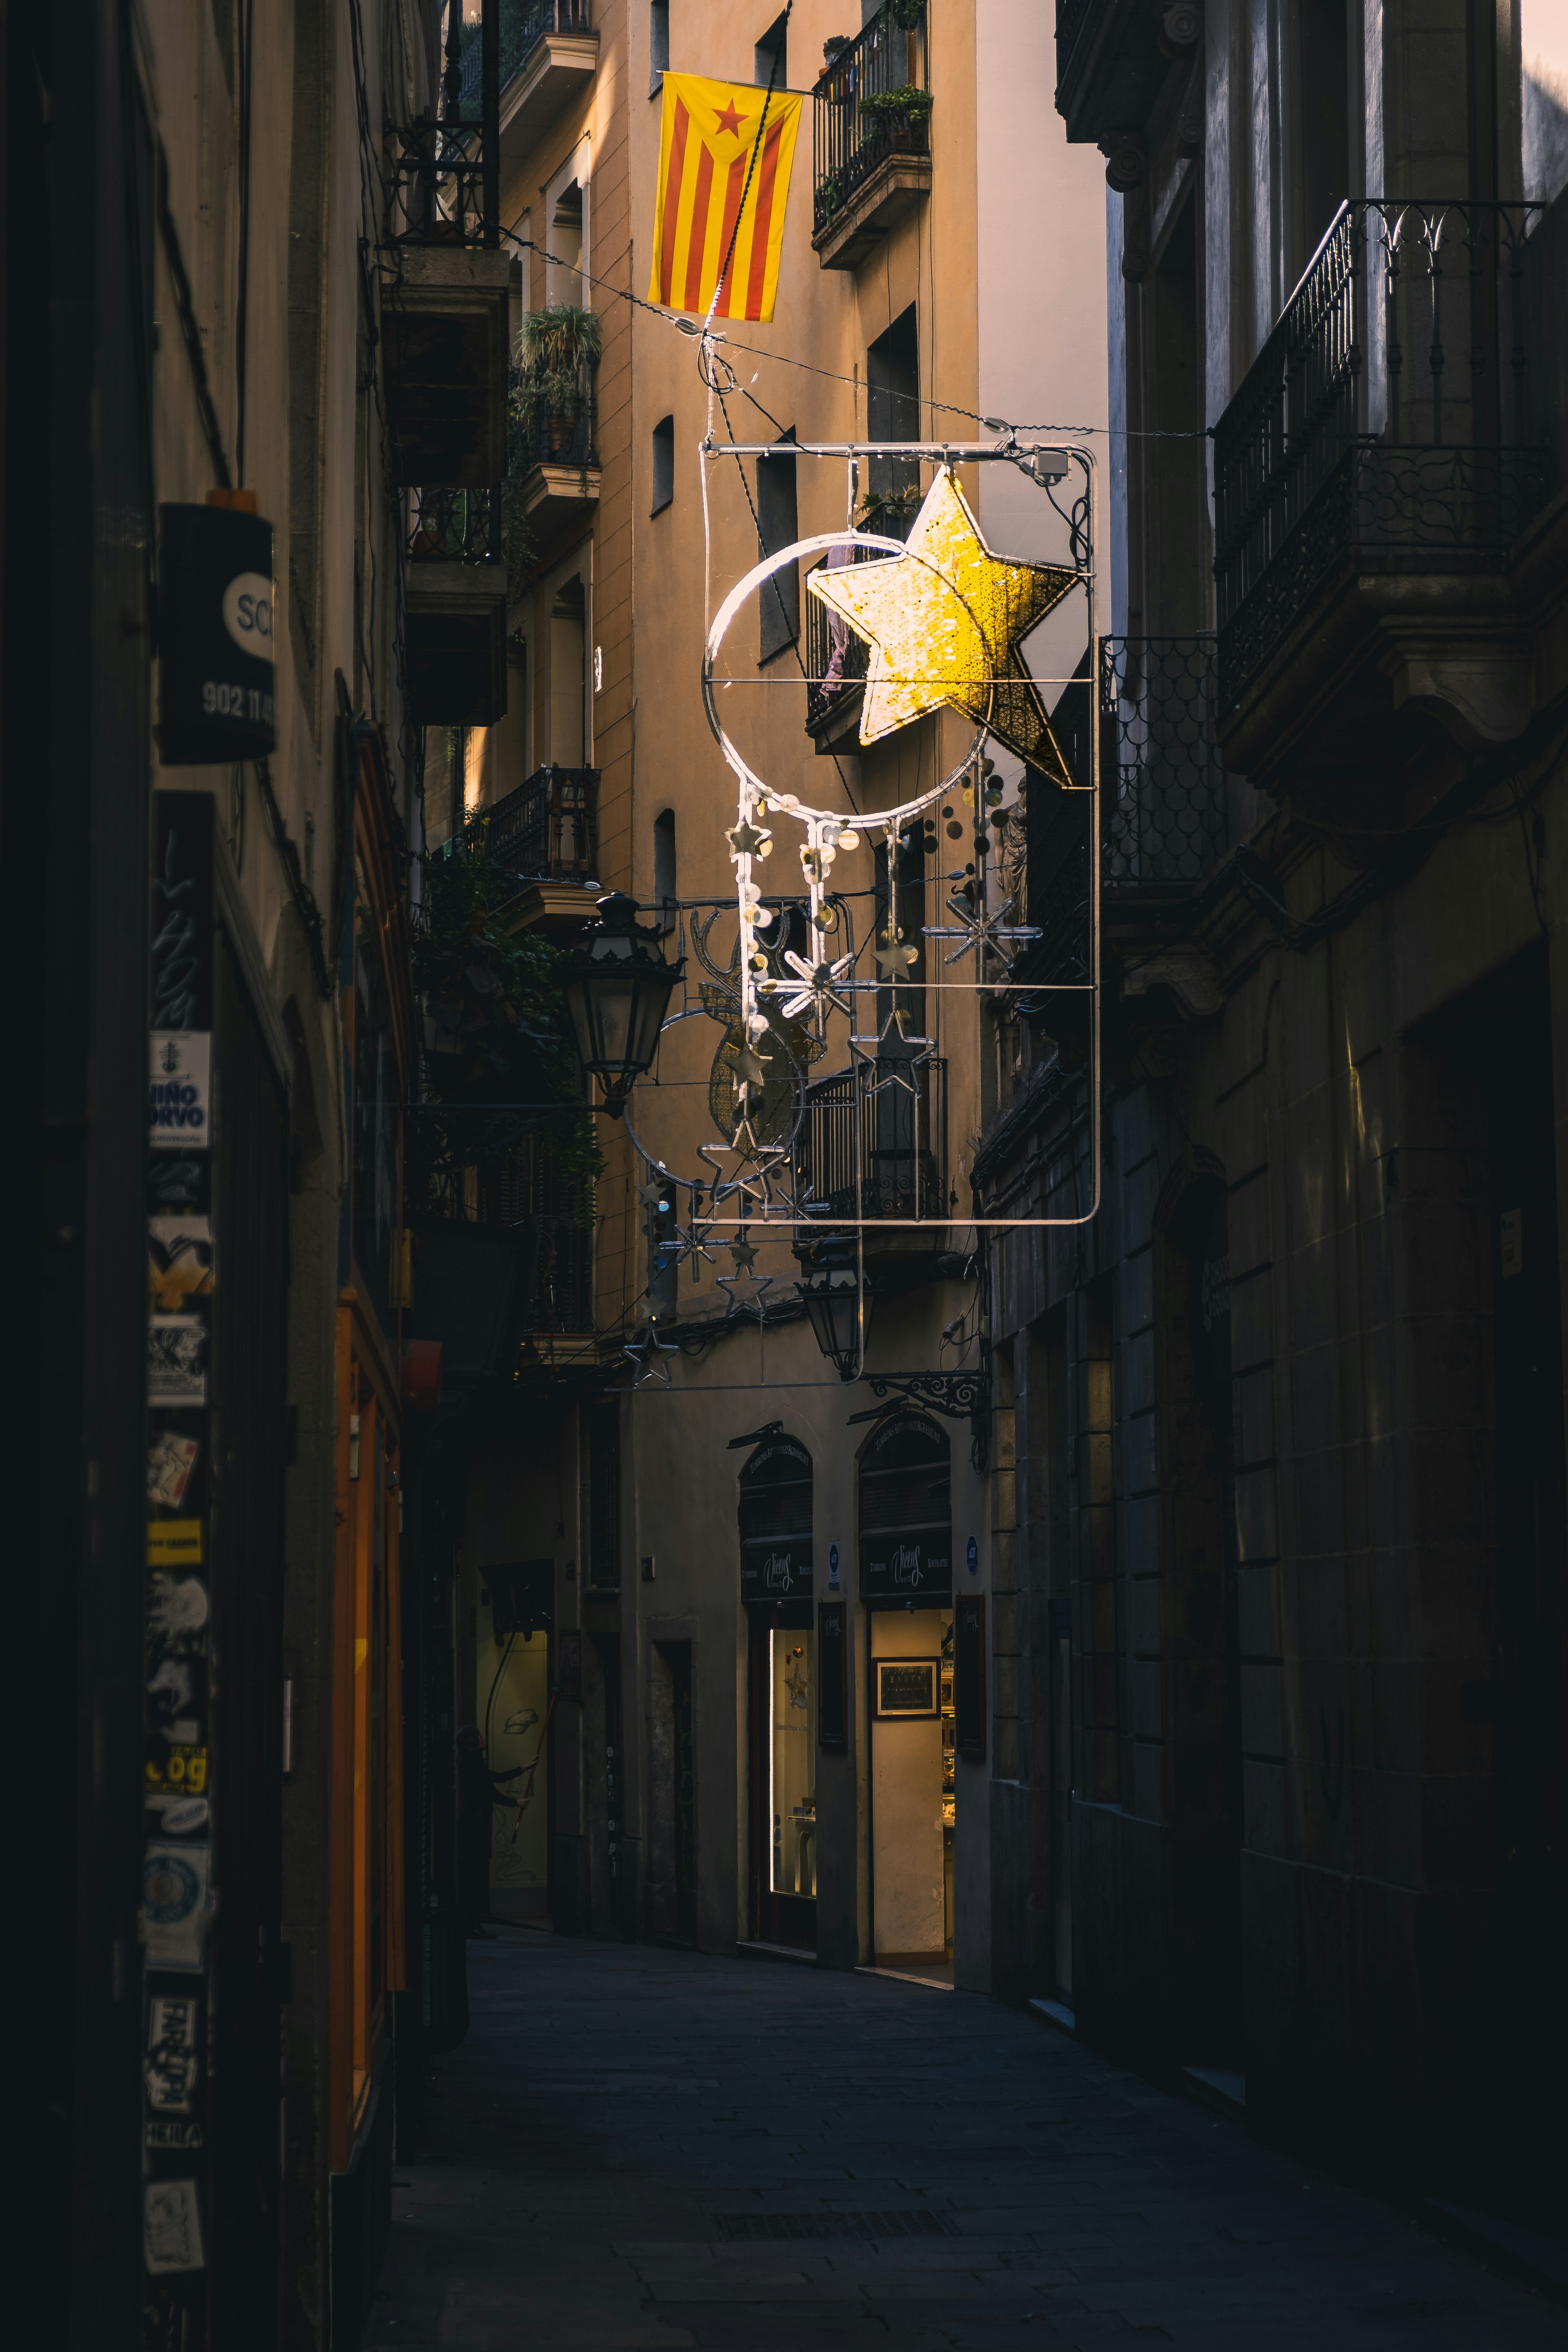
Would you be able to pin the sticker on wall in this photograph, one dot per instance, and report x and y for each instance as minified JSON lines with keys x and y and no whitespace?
{"x":176,"y":1359}
{"x":174,"y":1906}
{"x":177,"y":1609}
{"x":179,"y":1263}
{"x":180,"y":1770}
{"x":171,"y":1459}
{"x":172,"y":2066}
{"x":174,"y":1543}
{"x":172,"y":2226}
{"x":174,"y":1184}
{"x":175,"y":1699}
{"x":179,"y":1108}
{"x":973,"y":1557}
{"x":833,"y":1568}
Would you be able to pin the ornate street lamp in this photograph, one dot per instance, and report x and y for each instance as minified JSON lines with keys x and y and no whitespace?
{"x":832,"y":1295}
{"x":618,"y":988}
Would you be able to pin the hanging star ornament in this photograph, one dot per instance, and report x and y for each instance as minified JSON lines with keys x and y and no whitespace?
{"x":945,"y":622}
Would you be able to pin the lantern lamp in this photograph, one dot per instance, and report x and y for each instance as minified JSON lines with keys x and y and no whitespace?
{"x":832,"y":1295}
{"x":618,"y":989}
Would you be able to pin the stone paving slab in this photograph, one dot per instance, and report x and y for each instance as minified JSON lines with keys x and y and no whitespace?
{"x":618,"y":2115}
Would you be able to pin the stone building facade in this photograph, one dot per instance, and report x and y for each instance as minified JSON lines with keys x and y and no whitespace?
{"x":1281,"y":1675}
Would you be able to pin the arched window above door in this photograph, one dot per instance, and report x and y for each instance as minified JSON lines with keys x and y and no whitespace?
{"x":906,"y":1513}
{"x":775,"y":1522}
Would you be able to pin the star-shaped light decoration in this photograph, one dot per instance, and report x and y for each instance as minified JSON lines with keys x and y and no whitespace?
{"x":746,"y":1285}
{"x":945,"y":622}
{"x":819,"y":986}
{"x":749,"y":840}
{"x":894,"y":956}
{"x":982,"y":931}
{"x":647,"y":1352}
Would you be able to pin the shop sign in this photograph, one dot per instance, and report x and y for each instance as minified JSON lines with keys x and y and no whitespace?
{"x":911,"y":1567}
{"x":776,"y":1570}
{"x":214,"y":639}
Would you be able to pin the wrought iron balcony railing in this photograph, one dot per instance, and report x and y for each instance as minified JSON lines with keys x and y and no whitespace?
{"x":1386,"y":416}
{"x":874,"y":1140}
{"x":523,"y":24}
{"x":848,"y":143}
{"x":546,"y":831}
{"x":456,"y":527}
{"x":438,"y":184}
{"x":545,"y":432}
{"x":1162,"y":793}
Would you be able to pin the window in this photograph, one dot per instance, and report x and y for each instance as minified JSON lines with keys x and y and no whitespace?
{"x":568,"y":649}
{"x":663,"y":885}
{"x":663,"y":463}
{"x":605,"y":1496}
{"x":658,"y":44}
{"x":770,"y":55}
{"x":779,"y":598}
{"x":893,"y":405}
{"x":906,"y":1514}
{"x":567,"y":254}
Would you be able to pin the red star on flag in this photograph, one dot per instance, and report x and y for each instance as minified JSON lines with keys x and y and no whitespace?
{"x":729,"y":120}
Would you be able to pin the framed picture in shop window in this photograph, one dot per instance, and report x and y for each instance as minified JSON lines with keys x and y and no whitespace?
{"x":907,"y":1690}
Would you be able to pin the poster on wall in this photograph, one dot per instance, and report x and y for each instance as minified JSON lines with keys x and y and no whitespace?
{"x":175,"y":1905}
{"x":176,"y":1359}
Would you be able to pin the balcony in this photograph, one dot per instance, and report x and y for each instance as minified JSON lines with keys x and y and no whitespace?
{"x":873,"y":1141}
{"x":546,"y":831}
{"x":545,"y":834}
{"x":871,"y":153}
{"x":1162,"y":786}
{"x":1163,"y":830}
{"x":1113,"y":59}
{"x":446,"y":314}
{"x":454,"y":656}
{"x":553,"y":464}
{"x":549,"y":55}
{"x":1371,"y":476}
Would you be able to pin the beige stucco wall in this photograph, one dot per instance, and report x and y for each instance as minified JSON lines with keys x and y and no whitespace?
{"x":991,"y":258}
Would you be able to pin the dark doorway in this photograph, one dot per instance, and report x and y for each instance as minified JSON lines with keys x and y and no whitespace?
{"x":1201,"y":1632}
{"x":672,"y":1796}
{"x":1497,"y":1968}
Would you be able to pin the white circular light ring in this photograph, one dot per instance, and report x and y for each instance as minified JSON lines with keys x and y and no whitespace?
{"x":791,"y":804}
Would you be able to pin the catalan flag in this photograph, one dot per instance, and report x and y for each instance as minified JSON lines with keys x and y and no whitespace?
{"x":709,"y":132}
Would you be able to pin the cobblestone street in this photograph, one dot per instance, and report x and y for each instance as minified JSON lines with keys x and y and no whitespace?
{"x":640,"y":2148}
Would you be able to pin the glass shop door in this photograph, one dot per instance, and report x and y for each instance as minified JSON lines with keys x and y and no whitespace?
{"x":784,"y":1776}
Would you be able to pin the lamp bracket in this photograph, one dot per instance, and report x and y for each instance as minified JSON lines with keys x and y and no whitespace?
{"x":957,"y":1396}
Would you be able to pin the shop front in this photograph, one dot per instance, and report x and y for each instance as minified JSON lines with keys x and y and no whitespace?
{"x":906,"y":1591}
{"x":777,"y":1489}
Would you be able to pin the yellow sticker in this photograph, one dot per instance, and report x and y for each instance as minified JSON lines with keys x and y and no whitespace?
{"x":174,"y":1543}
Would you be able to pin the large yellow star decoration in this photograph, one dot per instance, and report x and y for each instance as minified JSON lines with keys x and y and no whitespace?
{"x":944,"y":623}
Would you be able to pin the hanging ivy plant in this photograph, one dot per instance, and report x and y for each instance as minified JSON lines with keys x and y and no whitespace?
{"x":498,"y":1032}
{"x":905,"y":13}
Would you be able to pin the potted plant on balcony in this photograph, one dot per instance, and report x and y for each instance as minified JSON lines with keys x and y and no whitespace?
{"x":902,"y":116}
{"x":557,"y":346}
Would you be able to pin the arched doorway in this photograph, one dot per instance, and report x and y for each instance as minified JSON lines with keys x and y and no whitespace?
{"x":906,"y":1587}
{"x":775,"y":1511}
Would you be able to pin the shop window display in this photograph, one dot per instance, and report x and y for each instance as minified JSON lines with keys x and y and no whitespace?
{"x":792,"y":1784}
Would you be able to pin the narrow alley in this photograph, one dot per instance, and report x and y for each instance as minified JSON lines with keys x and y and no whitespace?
{"x":643,"y":2147}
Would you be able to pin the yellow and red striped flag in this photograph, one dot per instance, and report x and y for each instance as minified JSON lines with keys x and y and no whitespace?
{"x":709,"y":130}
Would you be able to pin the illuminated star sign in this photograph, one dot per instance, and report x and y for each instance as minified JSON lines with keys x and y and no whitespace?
{"x":945,"y":631}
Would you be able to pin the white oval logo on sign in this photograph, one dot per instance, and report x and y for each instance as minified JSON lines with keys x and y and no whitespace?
{"x":247,"y":614}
